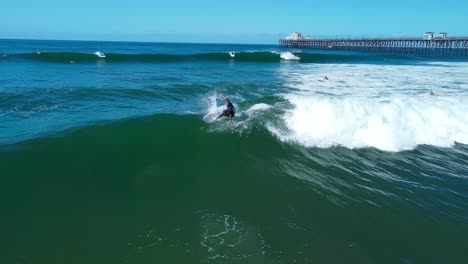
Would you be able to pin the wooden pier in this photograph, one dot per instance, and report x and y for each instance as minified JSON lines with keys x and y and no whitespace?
{"x":412,"y":46}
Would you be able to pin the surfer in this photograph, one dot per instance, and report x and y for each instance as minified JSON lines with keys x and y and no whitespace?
{"x":326,"y":78}
{"x":230,"y":111}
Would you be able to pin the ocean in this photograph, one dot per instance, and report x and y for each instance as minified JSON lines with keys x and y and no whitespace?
{"x":105,"y":158}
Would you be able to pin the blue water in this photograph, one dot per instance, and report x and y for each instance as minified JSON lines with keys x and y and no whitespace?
{"x":42,"y":97}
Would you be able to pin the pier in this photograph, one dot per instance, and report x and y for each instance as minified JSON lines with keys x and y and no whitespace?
{"x":426,"y":46}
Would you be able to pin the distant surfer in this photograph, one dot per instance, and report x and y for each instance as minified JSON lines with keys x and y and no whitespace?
{"x":432,"y":93}
{"x":230,"y":111}
{"x":326,"y":78}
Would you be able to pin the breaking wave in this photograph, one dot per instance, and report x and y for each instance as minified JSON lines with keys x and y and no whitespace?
{"x":254,"y":56}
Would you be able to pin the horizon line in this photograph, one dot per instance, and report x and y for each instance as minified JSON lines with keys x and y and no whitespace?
{"x":139,"y":41}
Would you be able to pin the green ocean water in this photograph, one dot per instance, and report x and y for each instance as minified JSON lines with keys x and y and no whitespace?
{"x":163,"y":189}
{"x":108,"y":160}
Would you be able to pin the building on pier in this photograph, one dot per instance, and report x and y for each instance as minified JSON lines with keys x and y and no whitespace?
{"x":295,"y":36}
{"x":428,"y":36}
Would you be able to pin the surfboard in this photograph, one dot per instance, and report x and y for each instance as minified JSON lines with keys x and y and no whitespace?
{"x":210,"y":118}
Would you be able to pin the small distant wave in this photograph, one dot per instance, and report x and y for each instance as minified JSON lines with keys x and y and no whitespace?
{"x":247,"y":56}
{"x":289,"y":56}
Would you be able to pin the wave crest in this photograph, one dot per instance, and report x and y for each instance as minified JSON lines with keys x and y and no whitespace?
{"x":245,"y":56}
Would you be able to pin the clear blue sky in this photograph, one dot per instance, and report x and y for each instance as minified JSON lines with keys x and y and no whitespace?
{"x":240,"y":21}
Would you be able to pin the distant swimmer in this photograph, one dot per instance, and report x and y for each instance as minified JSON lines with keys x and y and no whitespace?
{"x":432,"y":93}
{"x":326,"y":78}
{"x":230,"y":111}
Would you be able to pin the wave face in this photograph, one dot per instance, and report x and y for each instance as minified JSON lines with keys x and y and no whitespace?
{"x":173,"y":182}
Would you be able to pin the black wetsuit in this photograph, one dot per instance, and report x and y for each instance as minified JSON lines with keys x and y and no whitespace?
{"x":230,"y":111}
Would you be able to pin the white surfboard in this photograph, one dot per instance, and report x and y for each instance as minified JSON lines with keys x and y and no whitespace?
{"x":210,"y":118}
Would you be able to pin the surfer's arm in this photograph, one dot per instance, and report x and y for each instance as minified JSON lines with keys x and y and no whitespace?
{"x":223,"y":96}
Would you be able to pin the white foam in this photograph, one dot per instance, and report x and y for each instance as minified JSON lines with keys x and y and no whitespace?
{"x":258,"y":107}
{"x":288,"y":56}
{"x":382,"y":106}
{"x":211,"y":105}
{"x":377,"y":80}
{"x":226,"y":238}
{"x":100,"y":54}
{"x":391,"y":124}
